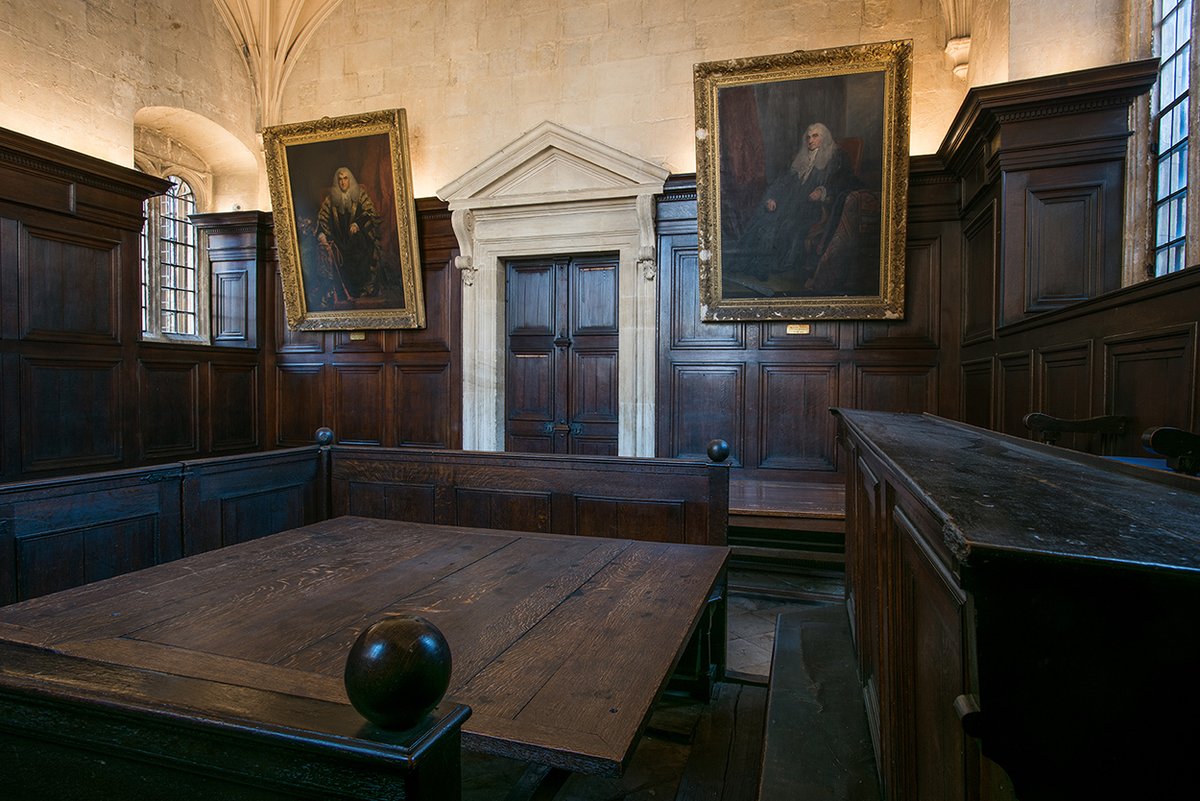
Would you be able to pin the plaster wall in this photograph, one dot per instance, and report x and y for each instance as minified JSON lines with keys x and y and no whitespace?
{"x":474,"y":74}
{"x":989,"y":44}
{"x":76,"y":72}
{"x":477,"y":73}
{"x":1047,"y":38}
{"x":1030,"y":38}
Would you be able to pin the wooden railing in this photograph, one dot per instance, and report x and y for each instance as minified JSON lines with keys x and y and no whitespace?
{"x":63,"y":532}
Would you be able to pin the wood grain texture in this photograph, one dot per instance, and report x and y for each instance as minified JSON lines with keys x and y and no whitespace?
{"x":632,"y":498}
{"x":82,"y":389}
{"x":817,"y":743}
{"x":1045,"y":508}
{"x":767,"y":391}
{"x":395,"y":388}
{"x":1036,"y":592}
{"x":727,"y":747}
{"x":560,"y":646}
{"x":128,"y":731}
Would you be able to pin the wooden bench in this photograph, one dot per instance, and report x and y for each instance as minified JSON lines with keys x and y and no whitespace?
{"x":73,"y":727}
{"x":1049,"y":429}
{"x":787,"y":505}
{"x":1180,"y":449}
{"x":817,"y":743}
{"x":62,"y":532}
{"x":664,"y":500}
{"x":788,"y":527}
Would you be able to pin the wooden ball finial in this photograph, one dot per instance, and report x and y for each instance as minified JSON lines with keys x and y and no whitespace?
{"x":397,"y":671}
{"x":718,"y":450}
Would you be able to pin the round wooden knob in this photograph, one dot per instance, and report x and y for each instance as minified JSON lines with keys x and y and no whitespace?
{"x":397,"y":670}
{"x":718,"y":450}
{"x":324,"y":436}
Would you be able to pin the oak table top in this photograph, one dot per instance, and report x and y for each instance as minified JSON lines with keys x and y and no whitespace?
{"x":560,"y":645}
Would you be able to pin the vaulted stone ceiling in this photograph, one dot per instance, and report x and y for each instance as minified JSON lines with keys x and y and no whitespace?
{"x":272,"y":33}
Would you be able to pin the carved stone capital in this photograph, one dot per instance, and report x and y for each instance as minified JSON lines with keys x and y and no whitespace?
{"x":648,"y":262}
{"x":466,"y":267}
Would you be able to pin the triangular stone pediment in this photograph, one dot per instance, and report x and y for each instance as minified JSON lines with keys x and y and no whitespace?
{"x":553,"y":171}
{"x":555,"y":191}
{"x":550,"y":163}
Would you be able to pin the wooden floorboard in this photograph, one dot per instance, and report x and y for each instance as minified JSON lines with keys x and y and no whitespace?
{"x":727,"y":748}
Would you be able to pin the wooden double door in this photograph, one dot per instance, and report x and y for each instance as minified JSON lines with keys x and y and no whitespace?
{"x":561,"y":360}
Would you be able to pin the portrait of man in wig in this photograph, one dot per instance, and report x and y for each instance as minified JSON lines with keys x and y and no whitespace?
{"x":349,"y":242}
{"x":794,"y":220}
{"x":799,"y":169}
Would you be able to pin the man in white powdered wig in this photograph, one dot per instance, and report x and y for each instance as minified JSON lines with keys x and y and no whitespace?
{"x":348,"y":232}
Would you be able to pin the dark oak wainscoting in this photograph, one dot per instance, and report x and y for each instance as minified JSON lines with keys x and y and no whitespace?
{"x":767,"y":390}
{"x":80,"y":389}
{"x":389,"y":388}
{"x":1045,"y":324}
{"x":63,"y":532}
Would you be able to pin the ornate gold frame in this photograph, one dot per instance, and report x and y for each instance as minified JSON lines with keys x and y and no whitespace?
{"x":301,"y":160}
{"x":806,"y":80}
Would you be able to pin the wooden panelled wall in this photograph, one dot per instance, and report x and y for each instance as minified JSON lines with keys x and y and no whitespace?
{"x":1012,"y":297}
{"x":79,"y":389}
{"x":1045,"y":325}
{"x":390,"y":388}
{"x":767,"y":392}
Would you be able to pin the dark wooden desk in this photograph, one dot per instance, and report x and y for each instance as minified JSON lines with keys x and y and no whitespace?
{"x":560,"y":644}
{"x":1024,"y":615}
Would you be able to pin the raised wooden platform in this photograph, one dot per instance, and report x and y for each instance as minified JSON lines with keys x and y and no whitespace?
{"x":789,"y":505}
{"x":787,"y":526}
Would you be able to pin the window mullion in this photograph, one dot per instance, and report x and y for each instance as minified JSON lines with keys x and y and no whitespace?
{"x":1175,"y":210}
{"x":1192,"y":256}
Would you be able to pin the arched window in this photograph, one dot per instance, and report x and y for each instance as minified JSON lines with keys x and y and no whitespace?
{"x":170,"y":265}
{"x":1172,"y":130}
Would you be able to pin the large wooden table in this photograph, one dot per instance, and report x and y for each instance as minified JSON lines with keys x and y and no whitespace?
{"x":560,"y":645}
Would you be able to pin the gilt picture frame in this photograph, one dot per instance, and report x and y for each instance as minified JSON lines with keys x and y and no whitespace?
{"x":802,"y":183}
{"x":345,"y":222}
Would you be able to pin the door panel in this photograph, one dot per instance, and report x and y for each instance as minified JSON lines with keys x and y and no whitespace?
{"x":561,"y":378}
{"x":532,"y":301}
{"x":594,"y":296}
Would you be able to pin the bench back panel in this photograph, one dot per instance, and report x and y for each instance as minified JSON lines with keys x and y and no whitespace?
{"x":664,"y":500}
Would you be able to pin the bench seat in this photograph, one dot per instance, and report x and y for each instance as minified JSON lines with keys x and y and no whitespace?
{"x":817,"y":744}
{"x":781,"y":528}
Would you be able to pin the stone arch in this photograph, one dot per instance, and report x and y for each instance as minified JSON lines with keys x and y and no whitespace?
{"x":201,"y":150}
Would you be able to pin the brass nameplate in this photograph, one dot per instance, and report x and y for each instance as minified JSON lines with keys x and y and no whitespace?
{"x":358,"y":336}
{"x":799,"y":328}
